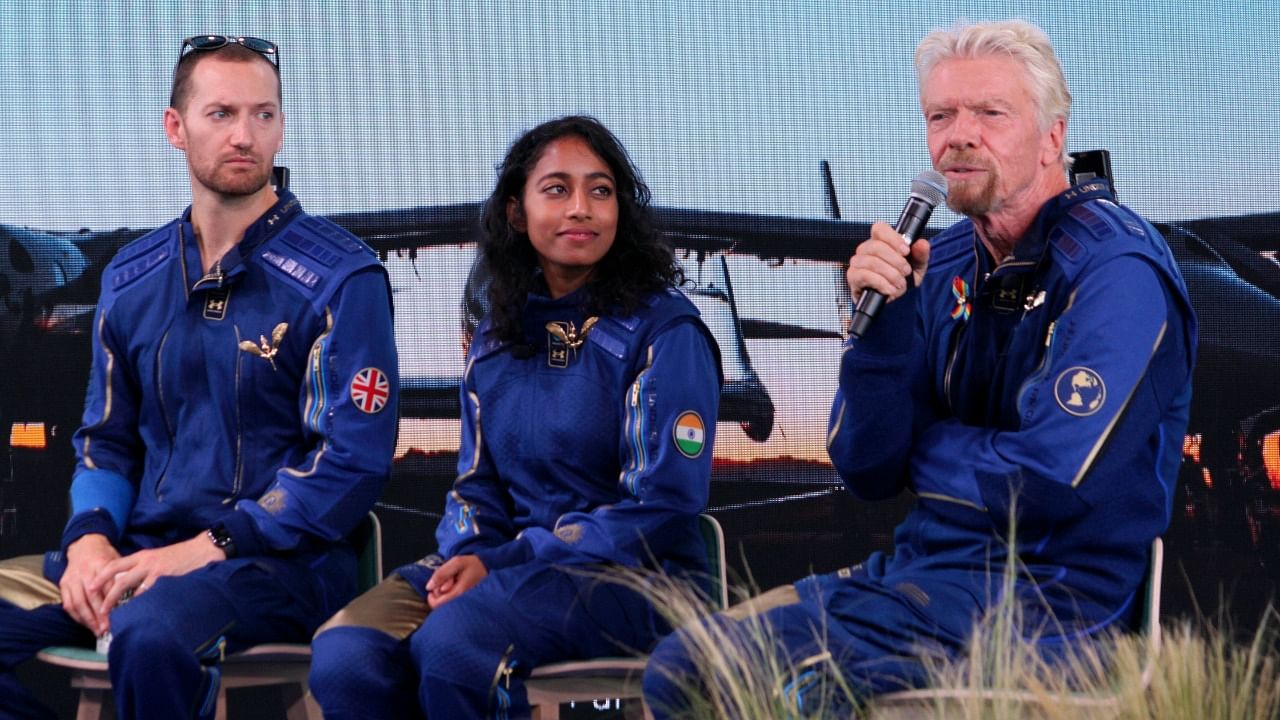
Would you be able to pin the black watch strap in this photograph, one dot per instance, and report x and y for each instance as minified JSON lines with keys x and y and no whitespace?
{"x":219,"y":536}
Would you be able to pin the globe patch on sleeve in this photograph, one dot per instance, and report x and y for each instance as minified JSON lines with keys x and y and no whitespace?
{"x":690,"y":434}
{"x":1080,"y":391}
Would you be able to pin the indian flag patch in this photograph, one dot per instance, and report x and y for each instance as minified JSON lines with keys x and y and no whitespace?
{"x":689,"y":434}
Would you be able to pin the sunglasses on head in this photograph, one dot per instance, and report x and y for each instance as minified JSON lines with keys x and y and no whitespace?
{"x":266,"y":48}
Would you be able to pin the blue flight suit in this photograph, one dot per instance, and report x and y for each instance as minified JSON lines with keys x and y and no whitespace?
{"x":260,"y":396}
{"x":586,"y":448}
{"x":1053,"y":388}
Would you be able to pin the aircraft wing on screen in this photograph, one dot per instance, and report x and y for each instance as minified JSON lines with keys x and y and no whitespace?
{"x":768,"y":237}
{"x":49,"y":283}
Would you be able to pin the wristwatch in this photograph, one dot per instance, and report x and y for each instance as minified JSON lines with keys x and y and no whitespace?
{"x":219,"y":536}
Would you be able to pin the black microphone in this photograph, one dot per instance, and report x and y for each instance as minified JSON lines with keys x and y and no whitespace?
{"x":927,"y":190}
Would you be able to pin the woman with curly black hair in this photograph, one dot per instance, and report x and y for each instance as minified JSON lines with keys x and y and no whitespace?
{"x":635,"y":264}
{"x":589,"y":406}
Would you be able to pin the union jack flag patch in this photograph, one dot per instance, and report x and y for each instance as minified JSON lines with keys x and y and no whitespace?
{"x":370,"y":390}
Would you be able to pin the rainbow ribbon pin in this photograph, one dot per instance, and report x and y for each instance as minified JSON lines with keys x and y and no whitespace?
{"x":960,"y":289}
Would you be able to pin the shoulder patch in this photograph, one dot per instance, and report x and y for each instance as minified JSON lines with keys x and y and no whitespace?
{"x":1080,"y":391}
{"x":689,"y":434}
{"x":274,"y":501}
{"x":465,"y":520}
{"x":370,"y":390}
{"x":570,"y":533}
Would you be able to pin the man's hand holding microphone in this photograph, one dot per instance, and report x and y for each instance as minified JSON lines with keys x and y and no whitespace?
{"x":880,"y":267}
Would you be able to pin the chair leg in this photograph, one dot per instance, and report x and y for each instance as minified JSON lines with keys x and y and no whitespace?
{"x":314,"y":711}
{"x":91,"y":702}
{"x":299,"y":703}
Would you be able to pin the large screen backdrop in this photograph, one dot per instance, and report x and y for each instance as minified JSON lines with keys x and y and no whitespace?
{"x":398,"y":112}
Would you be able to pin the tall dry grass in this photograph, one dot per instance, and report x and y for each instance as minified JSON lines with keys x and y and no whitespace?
{"x":740,"y":673}
{"x":1199,"y":671}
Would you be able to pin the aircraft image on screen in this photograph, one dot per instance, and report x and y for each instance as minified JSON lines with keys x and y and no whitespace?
{"x":49,"y":284}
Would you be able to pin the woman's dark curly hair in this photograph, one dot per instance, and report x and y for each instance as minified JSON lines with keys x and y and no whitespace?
{"x":638,"y":263}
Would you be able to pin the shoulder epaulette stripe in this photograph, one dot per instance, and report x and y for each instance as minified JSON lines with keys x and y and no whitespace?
{"x":1133,"y":224}
{"x":311,"y":249}
{"x":1093,"y":220}
{"x":333,"y":233}
{"x":1065,"y":244}
{"x":142,"y":245}
{"x":138,"y":267}
{"x":630,"y":322}
{"x":608,"y":342}
{"x":298,"y":272}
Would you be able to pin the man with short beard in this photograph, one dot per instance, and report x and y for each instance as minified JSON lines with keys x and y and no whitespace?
{"x":1028,"y":380}
{"x":239,"y":422}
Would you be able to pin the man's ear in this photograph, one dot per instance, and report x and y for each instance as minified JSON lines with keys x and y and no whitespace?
{"x":1052,"y":152}
{"x":515,"y":215}
{"x":173,"y":128}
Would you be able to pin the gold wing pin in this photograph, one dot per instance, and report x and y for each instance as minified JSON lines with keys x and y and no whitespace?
{"x":1033,"y":301}
{"x":266,"y":349}
{"x":572,"y":337}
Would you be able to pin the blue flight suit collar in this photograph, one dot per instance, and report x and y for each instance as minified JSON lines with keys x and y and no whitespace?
{"x":231,"y":265}
{"x":540,"y":309}
{"x":1035,"y":241}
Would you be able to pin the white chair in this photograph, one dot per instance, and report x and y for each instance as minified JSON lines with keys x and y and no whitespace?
{"x":928,"y":702}
{"x":549,"y":686}
{"x":282,"y":664}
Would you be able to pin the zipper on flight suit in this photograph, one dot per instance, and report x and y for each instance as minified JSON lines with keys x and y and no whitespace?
{"x":218,"y":278}
{"x":1009,"y":262}
{"x":634,"y":429}
{"x":958,"y":334}
{"x":164,"y":339}
{"x":235,"y":481}
{"x":164,"y":412}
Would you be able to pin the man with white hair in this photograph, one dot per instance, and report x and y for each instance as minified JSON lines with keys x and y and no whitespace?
{"x":1028,"y":380}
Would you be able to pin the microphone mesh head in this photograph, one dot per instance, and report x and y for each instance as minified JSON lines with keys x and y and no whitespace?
{"x":930,"y":186}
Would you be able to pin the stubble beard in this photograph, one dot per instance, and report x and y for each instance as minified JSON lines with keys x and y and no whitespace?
{"x":224,"y":181}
